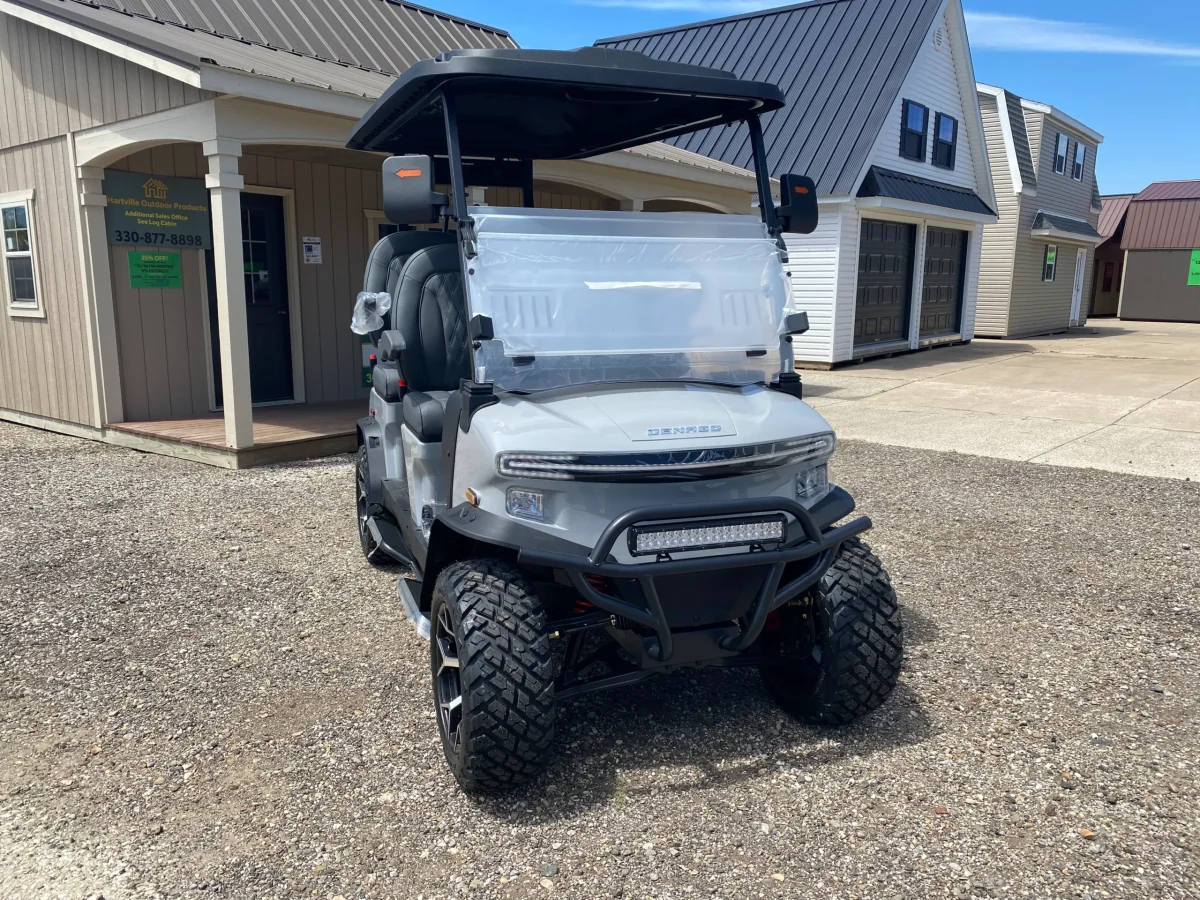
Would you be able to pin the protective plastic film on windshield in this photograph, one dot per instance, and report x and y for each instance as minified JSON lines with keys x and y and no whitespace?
{"x":579,"y":297}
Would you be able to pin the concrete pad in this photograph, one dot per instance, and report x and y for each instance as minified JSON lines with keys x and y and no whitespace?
{"x":1136,"y":451}
{"x":1190,"y":392}
{"x":1148,"y":378}
{"x":1020,"y":403}
{"x":1134,"y":340}
{"x":1168,"y":413}
{"x":821,"y":403}
{"x":978,"y":434}
{"x":936,"y":361}
{"x":841,"y":386}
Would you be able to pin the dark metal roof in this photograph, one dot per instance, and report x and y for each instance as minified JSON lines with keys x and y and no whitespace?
{"x":1112,"y":214}
{"x":555,"y":104}
{"x":1016,"y":117}
{"x":899,"y":186}
{"x":840,"y":63}
{"x":1171,"y":190}
{"x":1170,"y":223}
{"x":1066,"y":224}
{"x":384,"y":36}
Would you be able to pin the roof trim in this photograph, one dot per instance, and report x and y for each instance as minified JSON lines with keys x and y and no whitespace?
{"x":457,"y":20}
{"x":1070,"y":121}
{"x":156,"y":57}
{"x":886,"y":184}
{"x":771,"y":11}
{"x":1010,"y":146}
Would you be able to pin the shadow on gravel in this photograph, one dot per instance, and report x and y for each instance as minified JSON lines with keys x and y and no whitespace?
{"x":692,"y":731}
{"x":918,"y":628}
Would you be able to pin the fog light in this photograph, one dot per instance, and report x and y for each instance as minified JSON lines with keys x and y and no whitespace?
{"x":706,"y":536}
{"x":524,"y":502}
{"x":812,"y":484}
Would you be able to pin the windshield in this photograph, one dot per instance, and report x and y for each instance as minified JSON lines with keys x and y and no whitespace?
{"x":580,"y":296}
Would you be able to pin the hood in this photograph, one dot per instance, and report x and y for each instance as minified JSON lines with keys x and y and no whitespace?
{"x":668,"y":417}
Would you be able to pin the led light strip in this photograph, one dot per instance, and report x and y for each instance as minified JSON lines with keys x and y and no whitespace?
{"x":654,"y":539}
{"x":568,"y":466}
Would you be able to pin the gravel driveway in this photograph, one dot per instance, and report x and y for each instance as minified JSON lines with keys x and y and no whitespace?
{"x":205,"y":692}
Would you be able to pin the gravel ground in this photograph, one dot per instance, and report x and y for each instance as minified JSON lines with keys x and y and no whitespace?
{"x":205,"y":691}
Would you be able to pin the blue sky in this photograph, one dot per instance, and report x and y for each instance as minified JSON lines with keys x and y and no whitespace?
{"x":1129,"y":70}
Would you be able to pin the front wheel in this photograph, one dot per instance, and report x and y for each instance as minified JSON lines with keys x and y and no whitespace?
{"x":857,"y":643}
{"x":493,"y":675}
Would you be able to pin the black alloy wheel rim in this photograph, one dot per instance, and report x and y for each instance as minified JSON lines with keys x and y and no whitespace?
{"x":447,"y":685}
{"x":363,"y":508}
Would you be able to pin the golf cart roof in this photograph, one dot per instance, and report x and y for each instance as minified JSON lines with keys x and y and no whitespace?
{"x":554,"y":104}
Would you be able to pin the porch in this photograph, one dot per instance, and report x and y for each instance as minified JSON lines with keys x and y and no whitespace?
{"x":281,"y":434}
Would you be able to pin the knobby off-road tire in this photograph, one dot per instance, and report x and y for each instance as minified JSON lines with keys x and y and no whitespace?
{"x":859,"y":644}
{"x":488,"y":639}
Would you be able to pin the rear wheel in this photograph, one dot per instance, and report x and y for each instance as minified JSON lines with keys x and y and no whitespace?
{"x":856,"y":638}
{"x":365,"y":511}
{"x":493,"y":675}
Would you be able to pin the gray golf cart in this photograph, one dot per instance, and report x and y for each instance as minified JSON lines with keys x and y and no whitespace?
{"x":586,"y":436}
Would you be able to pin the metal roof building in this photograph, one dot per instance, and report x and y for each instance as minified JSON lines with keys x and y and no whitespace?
{"x":882,"y":114}
{"x":1154,"y":251}
{"x":187,"y":231}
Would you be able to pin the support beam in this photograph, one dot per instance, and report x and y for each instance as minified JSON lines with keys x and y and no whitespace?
{"x":98,"y":290}
{"x":225,"y":188}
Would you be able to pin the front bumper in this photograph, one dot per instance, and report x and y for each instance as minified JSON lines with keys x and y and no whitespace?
{"x":812,"y":536}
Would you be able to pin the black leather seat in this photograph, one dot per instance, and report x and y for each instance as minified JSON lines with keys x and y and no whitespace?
{"x":429,"y":311}
{"x":387,"y":260}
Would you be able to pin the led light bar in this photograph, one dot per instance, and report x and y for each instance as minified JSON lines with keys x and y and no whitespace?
{"x":674,"y":465}
{"x":648,"y":540}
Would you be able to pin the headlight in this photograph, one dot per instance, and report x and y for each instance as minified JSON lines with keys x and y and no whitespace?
{"x":812,"y":484}
{"x":524,"y":503}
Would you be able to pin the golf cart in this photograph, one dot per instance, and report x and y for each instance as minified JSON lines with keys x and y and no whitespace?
{"x":586,"y":436}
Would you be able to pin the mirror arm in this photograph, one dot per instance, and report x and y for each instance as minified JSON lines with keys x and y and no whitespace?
{"x":766,"y":203}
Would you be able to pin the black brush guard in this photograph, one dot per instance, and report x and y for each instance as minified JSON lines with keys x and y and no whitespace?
{"x":809,"y":542}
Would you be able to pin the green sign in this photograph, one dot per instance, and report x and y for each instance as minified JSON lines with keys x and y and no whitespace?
{"x":149,"y":210}
{"x":154,"y":270}
{"x":1194,"y":270}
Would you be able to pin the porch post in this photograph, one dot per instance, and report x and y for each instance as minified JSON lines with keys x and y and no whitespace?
{"x":98,"y":286}
{"x":225,"y":188}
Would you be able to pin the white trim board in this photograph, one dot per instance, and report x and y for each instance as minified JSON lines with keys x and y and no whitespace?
{"x":1010,"y":144}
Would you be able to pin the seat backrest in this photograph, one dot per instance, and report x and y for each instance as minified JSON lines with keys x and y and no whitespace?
{"x":387,"y":260}
{"x":429,"y":311}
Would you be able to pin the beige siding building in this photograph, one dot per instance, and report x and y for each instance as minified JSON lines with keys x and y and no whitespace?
{"x":1038,"y":258}
{"x":185,"y":232}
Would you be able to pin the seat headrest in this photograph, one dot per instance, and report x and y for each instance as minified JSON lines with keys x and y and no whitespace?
{"x":388,"y":257}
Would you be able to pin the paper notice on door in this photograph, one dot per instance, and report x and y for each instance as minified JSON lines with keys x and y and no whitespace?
{"x":312,"y":251}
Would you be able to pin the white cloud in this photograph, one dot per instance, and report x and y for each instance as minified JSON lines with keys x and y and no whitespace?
{"x":997,"y":31}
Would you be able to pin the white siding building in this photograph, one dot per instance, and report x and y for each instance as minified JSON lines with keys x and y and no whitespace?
{"x":883,"y":114}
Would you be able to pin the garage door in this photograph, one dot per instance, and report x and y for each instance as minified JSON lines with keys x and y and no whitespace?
{"x":941,"y":295}
{"x":885,"y":261}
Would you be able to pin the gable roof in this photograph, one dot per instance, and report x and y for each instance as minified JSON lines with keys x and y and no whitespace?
{"x":1015,"y":137}
{"x":1112,"y":213}
{"x":1170,"y":190}
{"x":350,"y":46}
{"x":841,"y":64}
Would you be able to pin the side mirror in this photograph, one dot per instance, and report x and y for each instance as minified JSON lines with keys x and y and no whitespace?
{"x":408,"y":194}
{"x":798,"y":210}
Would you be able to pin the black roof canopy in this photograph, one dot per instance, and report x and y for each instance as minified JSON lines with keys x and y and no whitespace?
{"x":553,"y":104}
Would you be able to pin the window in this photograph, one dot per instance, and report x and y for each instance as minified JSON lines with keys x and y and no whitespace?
{"x":1050,"y":265}
{"x":1060,"y":155}
{"x":945,"y":141}
{"x":914,"y":126}
{"x":1110,"y":274}
{"x":20,"y":270}
{"x":1080,"y":159}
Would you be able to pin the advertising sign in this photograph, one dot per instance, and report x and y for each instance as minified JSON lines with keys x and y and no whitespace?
{"x":154,"y":270}
{"x":150,"y":210}
{"x":1194,"y":270}
{"x":312,"y":251}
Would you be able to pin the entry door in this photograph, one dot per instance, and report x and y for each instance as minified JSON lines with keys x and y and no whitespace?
{"x":268,"y":316}
{"x":885,"y":270}
{"x":1077,"y":289}
{"x":942,"y":289}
